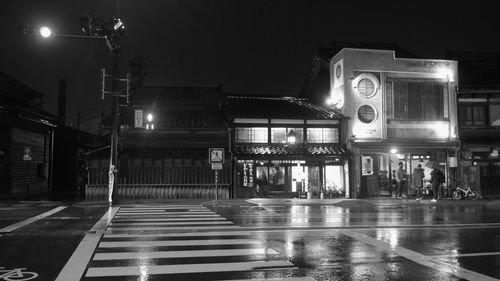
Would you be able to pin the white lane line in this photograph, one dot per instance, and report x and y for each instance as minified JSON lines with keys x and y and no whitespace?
{"x":75,"y":267}
{"x":169,"y":216}
{"x":183,"y":268}
{"x":168,"y":219}
{"x":165,"y":213}
{"x":278,"y":279}
{"x":184,"y":254}
{"x":165,"y":207}
{"x":420,"y":258}
{"x":313,"y":227}
{"x":25,"y":222}
{"x":167,"y":243}
{"x":164,"y":210}
{"x":189,"y":234}
{"x":174,"y":228}
{"x":466,"y":255}
{"x":193,"y":223}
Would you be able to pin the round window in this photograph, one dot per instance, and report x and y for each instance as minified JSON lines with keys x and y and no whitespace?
{"x":367,"y":114}
{"x":366,"y":87}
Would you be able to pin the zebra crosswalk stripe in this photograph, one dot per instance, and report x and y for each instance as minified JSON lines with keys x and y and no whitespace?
{"x":183,"y":268}
{"x":184,"y":254}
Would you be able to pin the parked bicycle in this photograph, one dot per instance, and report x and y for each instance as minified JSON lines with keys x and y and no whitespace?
{"x":16,"y":274}
{"x":468,"y":193}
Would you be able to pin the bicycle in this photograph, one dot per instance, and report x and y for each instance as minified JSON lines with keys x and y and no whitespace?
{"x":468,"y":193}
{"x":16,"y":274}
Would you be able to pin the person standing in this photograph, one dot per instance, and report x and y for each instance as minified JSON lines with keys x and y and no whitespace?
{"x":418,"y":180}
{"x":400,"y":180}
{"x":435,"y":184}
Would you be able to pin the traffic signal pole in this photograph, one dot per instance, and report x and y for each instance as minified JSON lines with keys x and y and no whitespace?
{"x":115,"y":126}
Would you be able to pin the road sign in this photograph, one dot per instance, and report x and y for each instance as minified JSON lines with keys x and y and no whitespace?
{"x":139,"y":115}
{"x":216,"y":166}
{"x":216,"y":155}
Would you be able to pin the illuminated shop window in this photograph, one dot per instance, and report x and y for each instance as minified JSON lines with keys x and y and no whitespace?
{"x":416,"y":99}
{"x":366,"y":87}
{"x":322,"y":135}
{"x":279,"y":135}
{"x":251,"y":134}
{"x":367,"y":114}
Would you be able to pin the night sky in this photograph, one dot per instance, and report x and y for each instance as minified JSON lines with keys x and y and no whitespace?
{"x":253,"y":47}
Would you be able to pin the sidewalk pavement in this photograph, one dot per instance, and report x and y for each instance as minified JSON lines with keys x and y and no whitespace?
{"x":263,"y":201}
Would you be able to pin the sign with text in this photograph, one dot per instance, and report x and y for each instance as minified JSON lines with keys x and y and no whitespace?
{"x":216,"y":166}
{"x":139,"y":116}
{"x":216,"y":155}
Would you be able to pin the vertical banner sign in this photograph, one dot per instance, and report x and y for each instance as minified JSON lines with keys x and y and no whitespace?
{"x":250,"y":174}
{"x":338,"y":75}
{"x":139,"y":116}
{"x":245,"y":175}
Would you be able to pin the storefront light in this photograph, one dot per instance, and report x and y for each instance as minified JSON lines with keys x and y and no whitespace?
{"x":394,"y":151}
{"x":291,"y":137}
{"x":447,"y":73}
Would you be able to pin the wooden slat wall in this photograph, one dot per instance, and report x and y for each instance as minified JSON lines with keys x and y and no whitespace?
{"x":160,"y":183}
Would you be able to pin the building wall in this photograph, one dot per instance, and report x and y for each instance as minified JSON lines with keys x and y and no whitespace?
{"x":378,"y":65}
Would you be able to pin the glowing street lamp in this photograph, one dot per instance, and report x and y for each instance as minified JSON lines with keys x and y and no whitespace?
{"x":45,"y":32}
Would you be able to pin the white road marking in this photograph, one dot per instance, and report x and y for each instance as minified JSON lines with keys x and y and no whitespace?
{"x":165,"y":213}
{"x":174,"y":228}
{"x":278,"y":279}
{"x":167,"y":243}
{"x":183,"y":268}
{"x":466,"y":255}
{"x":193,"y":223}
{"x":420,"y":258}
{"x":181,"y":234}
{"x":169,"y":219}
{"x":75,"y":267}
{"x":25,"y":222}
{"x":184,"y":254}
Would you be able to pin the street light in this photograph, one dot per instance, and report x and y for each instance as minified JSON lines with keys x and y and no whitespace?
{"x":110,"y":30}
{"x":45,"y":32}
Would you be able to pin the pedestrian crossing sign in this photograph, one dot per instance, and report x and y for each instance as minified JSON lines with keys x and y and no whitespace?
{"x":216,"y":155}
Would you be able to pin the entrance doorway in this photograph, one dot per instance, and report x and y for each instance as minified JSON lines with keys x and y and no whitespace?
{"x":375,"y":176}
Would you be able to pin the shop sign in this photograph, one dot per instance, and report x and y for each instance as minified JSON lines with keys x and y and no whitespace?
{"x":248,"y":174}
{"x":139,"y":116}
{"x":26,"y":137}
{"x":452,"y":161}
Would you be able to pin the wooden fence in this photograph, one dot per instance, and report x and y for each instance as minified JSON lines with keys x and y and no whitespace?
{"x":159,"y":183}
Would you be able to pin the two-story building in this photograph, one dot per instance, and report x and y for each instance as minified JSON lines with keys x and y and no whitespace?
{"x":286,"y":147}
{"x":164,"y":142}
{"x":400,"y":109}
{"x":479,"y":119}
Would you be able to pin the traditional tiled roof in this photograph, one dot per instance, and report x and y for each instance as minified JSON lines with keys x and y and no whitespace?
{"x":298,"y":149}
{"x":238,"y":106}
{"x":176,"y":95}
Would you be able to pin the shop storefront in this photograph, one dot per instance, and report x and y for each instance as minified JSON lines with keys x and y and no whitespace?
{"x":378,"y":167}
{"x":292,"y":178}
{"x":401,"y":110}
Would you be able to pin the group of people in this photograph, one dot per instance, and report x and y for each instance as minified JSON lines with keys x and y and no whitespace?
{"x":437,"y":180}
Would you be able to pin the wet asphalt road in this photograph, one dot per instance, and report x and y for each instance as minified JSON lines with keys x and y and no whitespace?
{"x":276,"y":239}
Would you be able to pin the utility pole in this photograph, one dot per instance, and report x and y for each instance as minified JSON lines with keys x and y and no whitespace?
{"x":115,"y":125}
